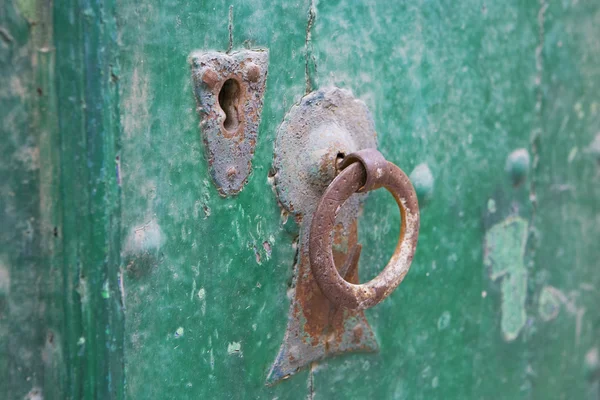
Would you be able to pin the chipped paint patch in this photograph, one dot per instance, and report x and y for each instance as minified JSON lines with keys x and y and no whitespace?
{"x":491,"y":206}
{"x":549,"y":303}
{"x":594,"y":147}
{"x":504,"y":249}
{"x":202,"y":298}
{"x":144,"y":238}
{"x":592,"y":358}
{"x":572,"y":154}
{"x":444,"y":320}
{"x":423,"y":181}
{"x":34,"y":394}
{"x":135,"y":119}
{"x":234,"y":348}
{"x":28,"y":157}
{"x":267,"y":248}
{"x":179,"y":332}
{"x":4,"y":279}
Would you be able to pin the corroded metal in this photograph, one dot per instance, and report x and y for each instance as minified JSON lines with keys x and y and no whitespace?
{"x":326,"y":125}
{"x":229,"y":92}
{"x":363,"y":171}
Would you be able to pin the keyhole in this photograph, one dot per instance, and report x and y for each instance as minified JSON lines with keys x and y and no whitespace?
{"x":228,"y":100}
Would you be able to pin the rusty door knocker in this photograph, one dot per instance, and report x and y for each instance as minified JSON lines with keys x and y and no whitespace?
{"x":326,"y":314}
{"x":363,"y":171}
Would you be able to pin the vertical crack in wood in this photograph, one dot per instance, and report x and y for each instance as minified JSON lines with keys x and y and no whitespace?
{"x":308,"y":53}
{"x":230,"y":28}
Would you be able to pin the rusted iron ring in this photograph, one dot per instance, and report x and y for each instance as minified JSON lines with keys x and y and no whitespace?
{"x":364,"y":170}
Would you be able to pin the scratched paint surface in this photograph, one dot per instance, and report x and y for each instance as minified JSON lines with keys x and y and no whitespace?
{"x":31,"y":320}
{"x":20,"y":246}
{"x":170,"y":291}
{"x":205,"y":300}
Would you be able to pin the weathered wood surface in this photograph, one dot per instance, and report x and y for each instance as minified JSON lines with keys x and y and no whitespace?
{"x":123,"y":273}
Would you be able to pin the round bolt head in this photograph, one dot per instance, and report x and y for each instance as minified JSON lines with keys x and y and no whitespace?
{"x":252,"y":72}
{"x":210,"y":78}
{"x":517,"y":165}
{"x":231,"y":172}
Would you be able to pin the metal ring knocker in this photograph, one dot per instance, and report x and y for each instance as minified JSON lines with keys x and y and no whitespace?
{"x":363,"y":171}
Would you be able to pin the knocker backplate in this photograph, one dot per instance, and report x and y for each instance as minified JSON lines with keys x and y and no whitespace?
{"x":326,"y":125}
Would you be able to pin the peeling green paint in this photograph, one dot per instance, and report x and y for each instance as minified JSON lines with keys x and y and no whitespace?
{"x":234,"y":348}
{"x":504,"y":249}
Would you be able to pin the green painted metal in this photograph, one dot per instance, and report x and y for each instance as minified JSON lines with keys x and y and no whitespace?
{"x":123,"y":273}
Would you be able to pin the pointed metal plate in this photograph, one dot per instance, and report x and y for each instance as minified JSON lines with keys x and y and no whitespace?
{"x":229,"y":91}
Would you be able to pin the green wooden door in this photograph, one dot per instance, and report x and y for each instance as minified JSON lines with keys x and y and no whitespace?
{"x":124,"y":274}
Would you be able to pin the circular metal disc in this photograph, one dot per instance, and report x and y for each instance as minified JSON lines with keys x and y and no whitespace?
{"x":326,"y":124}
